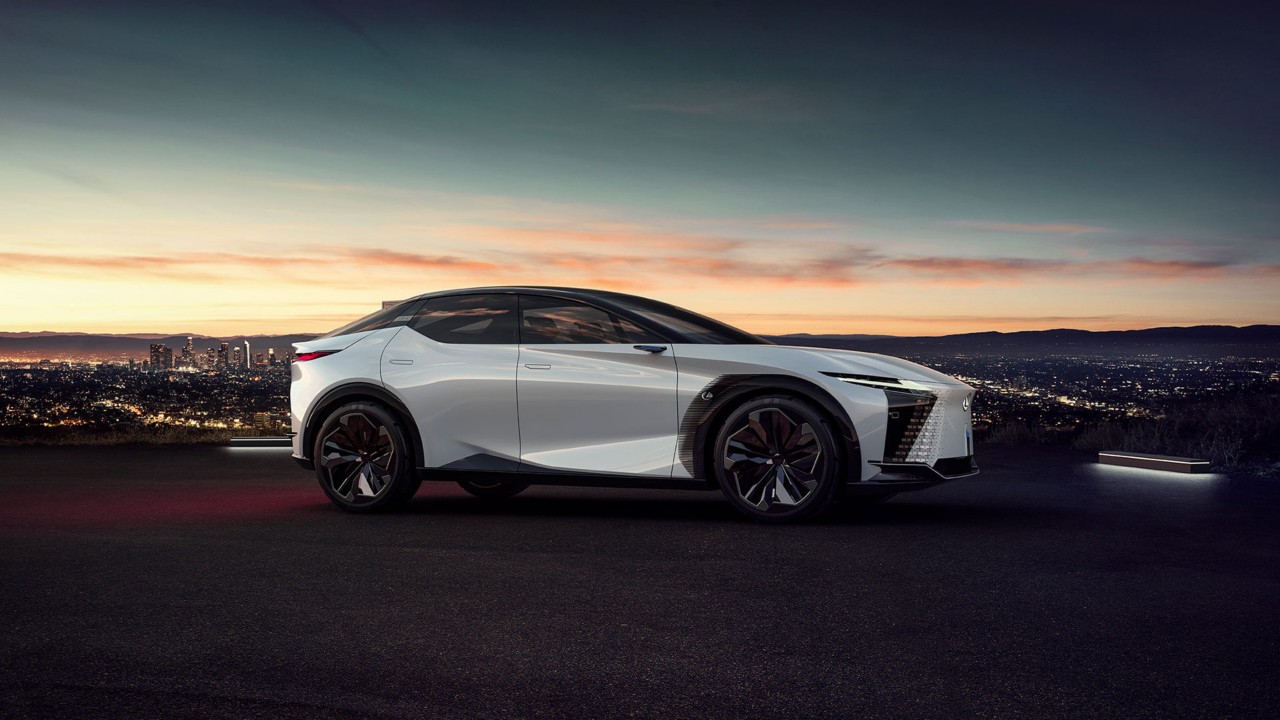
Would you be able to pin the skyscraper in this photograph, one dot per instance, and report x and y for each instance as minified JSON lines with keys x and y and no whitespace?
{"x":224,"y":356}
{"x":161,"y":357}
{"x":247,"y":357}
{"x":271,"y":357}
{"x":236,"y":361}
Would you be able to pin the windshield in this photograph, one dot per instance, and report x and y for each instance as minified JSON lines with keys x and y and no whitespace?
{"x":690,"y":326}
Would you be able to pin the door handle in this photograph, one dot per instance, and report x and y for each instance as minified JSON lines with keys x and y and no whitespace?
{"x":537,"y":366}
{"x":400,"y":362}
{"x":650,"y":348}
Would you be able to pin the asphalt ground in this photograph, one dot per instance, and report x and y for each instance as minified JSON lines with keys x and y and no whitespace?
{"x":210,"y":582}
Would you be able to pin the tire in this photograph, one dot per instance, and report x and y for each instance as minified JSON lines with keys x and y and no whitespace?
{"x":776,"y":459}
{"x":493,"y":489}
{"x":363,"y":459}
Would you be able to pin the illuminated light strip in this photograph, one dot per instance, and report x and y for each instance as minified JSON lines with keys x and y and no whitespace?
{"x":261,"y":442}
{"x":1153,"y":462}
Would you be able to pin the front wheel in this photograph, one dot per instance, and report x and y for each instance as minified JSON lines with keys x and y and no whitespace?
{"x":776,"y":459}
{"x":493,"y":489}
{"x":363,"y":460}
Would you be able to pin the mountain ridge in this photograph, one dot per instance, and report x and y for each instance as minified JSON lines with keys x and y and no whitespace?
{"x":1192,"y":339}
{"x":1197,"y":340}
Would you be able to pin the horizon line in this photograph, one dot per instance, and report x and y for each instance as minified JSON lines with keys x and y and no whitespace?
{"x":154,"y":335}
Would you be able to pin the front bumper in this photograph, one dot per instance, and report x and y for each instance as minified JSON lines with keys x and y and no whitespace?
{"x":904,"y":476}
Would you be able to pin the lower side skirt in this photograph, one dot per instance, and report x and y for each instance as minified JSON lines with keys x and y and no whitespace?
{"x":894,"y":478}
{"x":634,"y":482}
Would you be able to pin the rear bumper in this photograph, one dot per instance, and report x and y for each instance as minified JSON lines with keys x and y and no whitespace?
{"x":296,"y":438}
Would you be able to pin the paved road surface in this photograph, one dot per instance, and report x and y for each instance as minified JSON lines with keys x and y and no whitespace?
{"x":219,"y":583}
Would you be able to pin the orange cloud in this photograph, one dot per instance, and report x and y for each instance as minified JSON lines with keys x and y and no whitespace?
{"x":630,"y":257}
{"x":392,"y":258}
{"x":969,"y":267}
{"x":184,"y":266}
{"x":997,"y":270}
{"x":1166,"y":268}
{"x":614,"y":236}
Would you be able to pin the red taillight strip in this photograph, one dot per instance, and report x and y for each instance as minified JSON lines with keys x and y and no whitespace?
{"x":303,"y":357}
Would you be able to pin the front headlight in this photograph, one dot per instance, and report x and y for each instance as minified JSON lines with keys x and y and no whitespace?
{"x":882,"y":383}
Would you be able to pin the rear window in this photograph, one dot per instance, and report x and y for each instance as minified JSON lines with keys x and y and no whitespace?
{"x":376,"y":321}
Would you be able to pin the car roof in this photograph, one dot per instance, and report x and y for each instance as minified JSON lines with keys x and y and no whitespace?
{"x":626,"y":305}
{"x":568,"y":292}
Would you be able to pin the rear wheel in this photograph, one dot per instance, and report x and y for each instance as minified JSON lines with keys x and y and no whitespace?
{"x":363,"y":459}
{"x":493,"y":489}
{"x":776,"y":459}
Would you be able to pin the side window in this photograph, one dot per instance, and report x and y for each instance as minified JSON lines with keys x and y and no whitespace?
{"x":548,"y":320}
{"x":469,"y":319}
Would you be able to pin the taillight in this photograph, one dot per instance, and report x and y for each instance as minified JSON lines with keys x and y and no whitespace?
{"x":303,"y":357}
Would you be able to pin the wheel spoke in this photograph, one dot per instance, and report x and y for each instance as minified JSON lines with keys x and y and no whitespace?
{"x":335,"y":456}
{"x":359,"y":458}
{"x":785,"y":493}
{"x":803,"y":478}
{"x":749,"y":443}
{"x":345,"y":487}
{"x":382,"y":459}
{"x":775,"y":461}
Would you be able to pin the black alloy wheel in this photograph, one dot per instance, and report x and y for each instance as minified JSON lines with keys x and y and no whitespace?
{"x":493,"y":489}
{"x":776,"y":459}
{"x":363,"y":460}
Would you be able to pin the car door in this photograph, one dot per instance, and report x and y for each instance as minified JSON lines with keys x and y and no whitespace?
{"x":454,"y":367}
{"x":597,"y":394}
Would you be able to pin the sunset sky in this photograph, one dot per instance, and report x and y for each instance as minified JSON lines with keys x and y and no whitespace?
{"x":265,"y":167}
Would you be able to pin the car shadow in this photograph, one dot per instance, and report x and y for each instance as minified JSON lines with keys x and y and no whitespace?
{"x":711,"y":507}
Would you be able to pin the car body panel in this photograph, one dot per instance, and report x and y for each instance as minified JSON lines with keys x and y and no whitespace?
{"x":464,"y":394}
{"x":356,"y":359}
{"x":603,"y":408}
{"x":701,"y":365}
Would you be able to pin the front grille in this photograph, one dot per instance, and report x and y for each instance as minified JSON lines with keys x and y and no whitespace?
{"x":916,"y":423}
{"x":927,"y":447}
{"x":908,"y":416}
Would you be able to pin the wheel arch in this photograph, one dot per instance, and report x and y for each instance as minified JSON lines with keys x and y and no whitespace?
{"x":333,"y":398}
{"x":703,"y":418}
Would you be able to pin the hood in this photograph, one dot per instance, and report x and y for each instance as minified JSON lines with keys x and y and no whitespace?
{"x":863,"y":363}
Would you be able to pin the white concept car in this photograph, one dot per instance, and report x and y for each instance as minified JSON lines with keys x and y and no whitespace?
{"x":499,"y":388}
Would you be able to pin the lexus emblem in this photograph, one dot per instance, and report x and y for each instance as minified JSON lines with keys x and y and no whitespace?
{"x":964,"y":404}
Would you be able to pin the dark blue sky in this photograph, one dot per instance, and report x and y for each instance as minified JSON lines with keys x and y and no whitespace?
{"x":1007,"y":165}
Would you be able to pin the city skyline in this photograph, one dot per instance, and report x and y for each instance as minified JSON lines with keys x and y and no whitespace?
{"x":274,"y":167}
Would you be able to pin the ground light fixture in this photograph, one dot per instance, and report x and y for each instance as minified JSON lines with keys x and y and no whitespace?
{"x":1147,"y":461}
{"x":260,"y":442}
